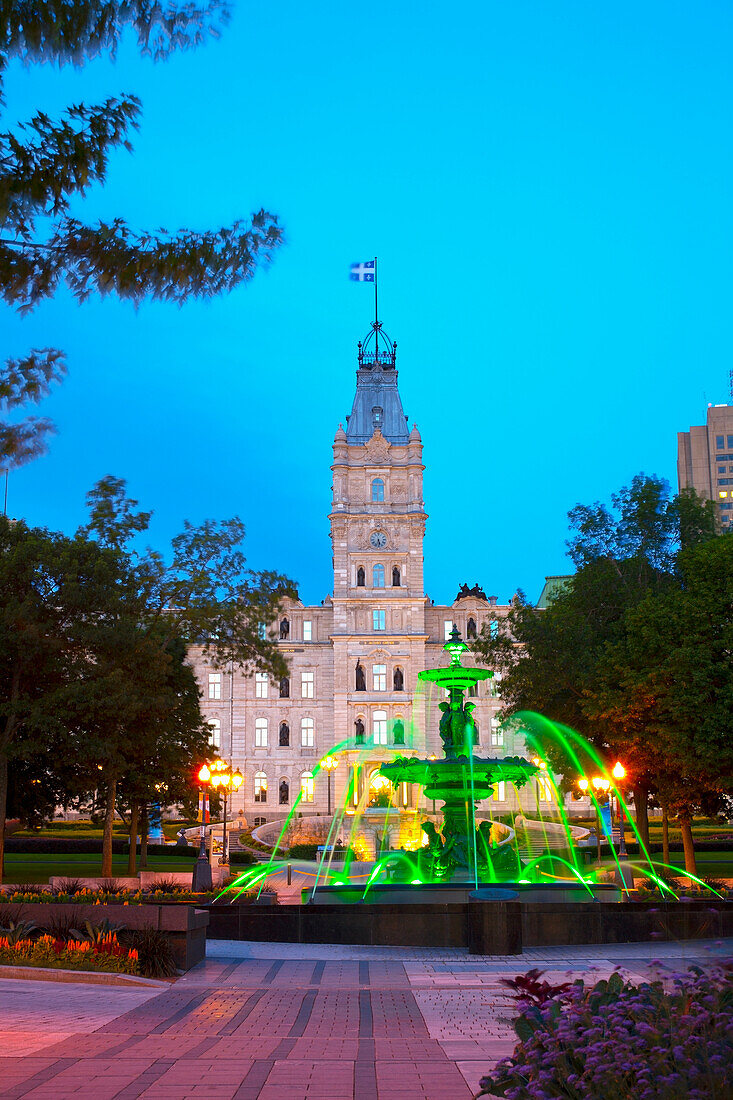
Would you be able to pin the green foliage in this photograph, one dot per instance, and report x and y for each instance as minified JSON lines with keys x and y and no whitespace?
{"x":155,"y":953}
{"x":654,"y":1041}
{"x":48,"y":165}
{"x":634,"y":651}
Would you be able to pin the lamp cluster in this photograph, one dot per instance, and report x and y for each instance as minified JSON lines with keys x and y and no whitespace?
{"x":220,"y":774}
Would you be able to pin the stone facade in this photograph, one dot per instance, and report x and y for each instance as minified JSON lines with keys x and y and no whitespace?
{"x":355,"y":658}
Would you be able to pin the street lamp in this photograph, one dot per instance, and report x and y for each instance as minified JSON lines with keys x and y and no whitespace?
{"x":221,"y":775}
{"x":329,"y":763}
{"x":202,"y":868}
{"x":618,"y":773}
{"x":599,"y":784}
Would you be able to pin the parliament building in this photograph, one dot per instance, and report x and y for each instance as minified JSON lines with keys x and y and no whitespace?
{"x":354,"y":659}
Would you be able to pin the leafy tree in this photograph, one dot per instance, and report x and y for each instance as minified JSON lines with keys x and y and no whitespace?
{"x":47,"y":583}
{"x":146,"y":725}
{"x":47,"y":165}
{"x":550,"y":660}
{"x":673,"y":670}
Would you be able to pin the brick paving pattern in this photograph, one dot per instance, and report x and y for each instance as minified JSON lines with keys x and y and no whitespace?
{"x":267,"y":1021}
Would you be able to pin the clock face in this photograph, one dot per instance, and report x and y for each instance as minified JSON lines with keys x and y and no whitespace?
{"x":378,"y":540}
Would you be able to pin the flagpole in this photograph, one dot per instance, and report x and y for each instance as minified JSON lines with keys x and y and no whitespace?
{"x":376,"y":313}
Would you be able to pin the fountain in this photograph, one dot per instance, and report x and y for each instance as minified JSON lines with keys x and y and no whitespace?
{"x":467,"y":861}
{"x":464,"y":855}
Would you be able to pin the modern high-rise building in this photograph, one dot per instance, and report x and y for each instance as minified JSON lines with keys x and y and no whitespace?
{"x":354,"y":658}
{"x":705,"y":460}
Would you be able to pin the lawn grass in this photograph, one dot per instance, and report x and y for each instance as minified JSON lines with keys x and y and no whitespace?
{"x":22,"y":867}
{"x":85,"y":830}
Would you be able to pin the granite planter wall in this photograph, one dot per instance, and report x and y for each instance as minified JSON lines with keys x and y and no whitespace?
{"x":184,"y":925}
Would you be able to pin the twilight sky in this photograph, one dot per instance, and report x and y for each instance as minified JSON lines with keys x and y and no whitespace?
{"x":548,"y":189}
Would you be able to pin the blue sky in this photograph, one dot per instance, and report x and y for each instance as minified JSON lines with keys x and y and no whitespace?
{"x":547,"y":187}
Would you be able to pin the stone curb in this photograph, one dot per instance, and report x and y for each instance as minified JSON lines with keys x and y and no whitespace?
{"x":84,"y":977}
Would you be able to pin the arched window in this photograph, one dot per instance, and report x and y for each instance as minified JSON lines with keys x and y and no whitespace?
{"x":378,"y":576}
{"x":379,"y":727}
{"x":260,"y":787}
{"x":306,"y":732}
{"x":377,"y":489}
{"x":398,"y":731}
{"x":395,"y":576}
{"x":285,"y":687}
{"x":306,"y":786}
{"x":284,"y":792}
{"x":215,"y":733}
{"x":471,"y":628}
{"x":360,"y":577}
{"x":398,"y":679}
{"x":284,"y":735}
{"x":260,"y":733}
{"x":359,"y":730}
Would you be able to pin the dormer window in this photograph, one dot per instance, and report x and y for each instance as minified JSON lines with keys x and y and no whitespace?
{"x":378,"y":489}
{"x":377,"y":415}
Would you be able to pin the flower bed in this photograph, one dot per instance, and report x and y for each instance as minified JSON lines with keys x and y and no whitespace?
{"x":123,"y":897}
{"x":107,"y":954}
{"x":660,"y":1040}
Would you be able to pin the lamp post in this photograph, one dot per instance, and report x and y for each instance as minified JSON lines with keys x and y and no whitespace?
{"x":599,"y":784}
{"x":618,"y":773}
{"x":221,"y":775}
{"x":202,"y":868}
{"x":329,"y":763}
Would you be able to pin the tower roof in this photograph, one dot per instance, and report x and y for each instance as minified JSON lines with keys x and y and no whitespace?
{"x":377,"y":401}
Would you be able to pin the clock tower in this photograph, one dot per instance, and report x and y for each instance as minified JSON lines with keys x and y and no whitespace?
{"x":377,"y":529}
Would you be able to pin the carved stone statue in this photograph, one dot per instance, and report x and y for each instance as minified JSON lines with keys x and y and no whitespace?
{"x":439,"y":852}
{"x":395,"y":577}
{"x":477,"y":592}
{"x":285,"y":688}
{"x":399,"y":679}
{"x":284,"y":629}
{"x":471,"y":628}
{"x":359,"y":730}
{"x":284,"y":735}
{"x":452,"y":728}
{"x":360,"y":677}
{"x":284,"y":792}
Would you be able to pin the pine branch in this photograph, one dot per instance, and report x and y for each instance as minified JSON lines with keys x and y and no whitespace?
{"x":112,"y":258}
{"x":39,"y":177}
{"x":76,"y":31}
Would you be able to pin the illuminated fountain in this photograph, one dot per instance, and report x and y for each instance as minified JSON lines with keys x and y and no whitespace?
{"x":468,"y":855}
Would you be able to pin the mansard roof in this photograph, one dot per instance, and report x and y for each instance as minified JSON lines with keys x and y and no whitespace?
{"x":377,"y":402}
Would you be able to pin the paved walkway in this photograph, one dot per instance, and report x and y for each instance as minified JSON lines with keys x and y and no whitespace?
{"x":268,"y":1021}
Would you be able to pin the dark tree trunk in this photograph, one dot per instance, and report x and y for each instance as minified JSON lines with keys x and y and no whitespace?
{"x":688,"y":844}
{"x":641,"y":798}
{"x":109,"y":820}
{"x":3,"y":807}
{"x":144,"y":837}
{"x":132,"y":857}
{"x":665,"y":835}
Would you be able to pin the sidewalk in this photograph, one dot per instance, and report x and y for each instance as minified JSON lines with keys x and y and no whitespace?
{"x":264,"y":1021}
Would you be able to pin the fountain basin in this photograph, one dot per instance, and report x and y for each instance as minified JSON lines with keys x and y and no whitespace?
{"x":441,"y":893}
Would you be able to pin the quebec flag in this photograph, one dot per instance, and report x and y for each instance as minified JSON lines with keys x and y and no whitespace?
{"x":362,"y":273}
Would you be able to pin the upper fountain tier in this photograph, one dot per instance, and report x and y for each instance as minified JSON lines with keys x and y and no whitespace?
{"x":455,"y":677}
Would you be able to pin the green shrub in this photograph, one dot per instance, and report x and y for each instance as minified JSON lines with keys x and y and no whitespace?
{"x":310,"y":851}
{"x":621,"y":1041}
{"x":154,"y":952}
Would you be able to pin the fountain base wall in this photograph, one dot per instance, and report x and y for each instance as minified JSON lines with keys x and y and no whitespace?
{"x":484,"y":927}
